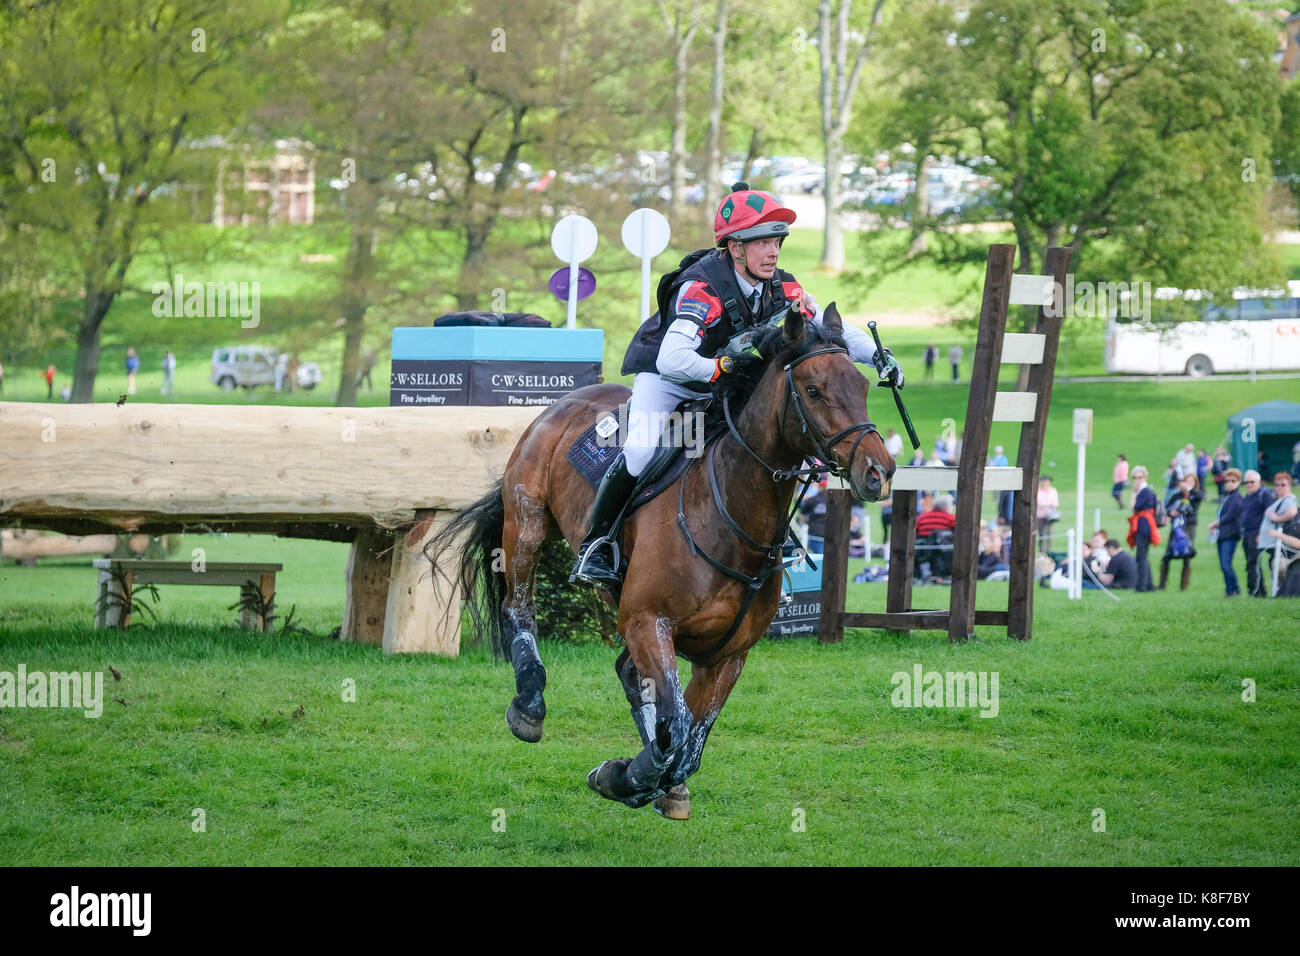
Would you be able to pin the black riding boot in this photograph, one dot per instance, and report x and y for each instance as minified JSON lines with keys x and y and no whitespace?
{"x":595,"y":566}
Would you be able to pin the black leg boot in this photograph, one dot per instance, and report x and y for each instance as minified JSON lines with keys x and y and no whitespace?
{"x":596,"y":566}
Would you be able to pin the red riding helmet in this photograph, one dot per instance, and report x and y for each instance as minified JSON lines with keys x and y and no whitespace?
{"x":749,"y":214}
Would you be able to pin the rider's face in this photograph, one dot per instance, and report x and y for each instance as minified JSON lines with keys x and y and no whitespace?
{"x":759,"y":255}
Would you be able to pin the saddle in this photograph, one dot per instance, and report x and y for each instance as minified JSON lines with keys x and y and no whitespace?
{"x":597,"y":447}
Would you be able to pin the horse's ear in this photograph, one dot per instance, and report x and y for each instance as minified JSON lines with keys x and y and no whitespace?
{"x":831,"y":320}
{"x":793,"y":329}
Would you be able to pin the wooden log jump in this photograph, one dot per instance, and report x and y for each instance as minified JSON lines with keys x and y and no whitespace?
{"x":994,"y":347}
{"x":383,"y":479}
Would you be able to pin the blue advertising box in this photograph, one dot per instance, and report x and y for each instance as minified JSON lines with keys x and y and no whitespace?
{"x":485,"y":365}
{"x":800,"y":616}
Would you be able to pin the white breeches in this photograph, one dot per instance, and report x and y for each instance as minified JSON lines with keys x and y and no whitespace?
{"x":650,"y":412}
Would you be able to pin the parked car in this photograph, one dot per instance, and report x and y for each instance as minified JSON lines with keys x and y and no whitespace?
{"x":248,"y":366}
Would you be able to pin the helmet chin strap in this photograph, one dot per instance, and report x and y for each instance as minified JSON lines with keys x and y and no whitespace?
{"x":743,"y":264}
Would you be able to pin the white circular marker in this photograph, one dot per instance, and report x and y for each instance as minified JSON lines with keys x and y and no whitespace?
{"x":573,"y":239}
{"x":646,"y":232}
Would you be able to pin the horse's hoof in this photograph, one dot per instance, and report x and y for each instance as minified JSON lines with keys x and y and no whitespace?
{"x":523,"y":726}
{"x":601,"y":779}
{"x":675,"y":804}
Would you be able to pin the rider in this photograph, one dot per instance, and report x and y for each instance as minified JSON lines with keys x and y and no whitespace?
{"x":718,"y":294}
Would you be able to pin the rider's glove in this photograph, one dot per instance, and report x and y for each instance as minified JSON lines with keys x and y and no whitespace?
{"x":725,"y":364}
{"x":887,"y":368}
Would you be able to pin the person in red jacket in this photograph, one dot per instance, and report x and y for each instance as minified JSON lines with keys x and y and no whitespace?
{"x":938,"y":519}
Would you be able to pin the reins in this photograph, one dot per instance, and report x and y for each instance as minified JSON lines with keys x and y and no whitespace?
{"x":772,"y":563}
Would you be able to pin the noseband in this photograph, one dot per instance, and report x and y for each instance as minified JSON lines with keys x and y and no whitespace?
{"x":824,"y":446}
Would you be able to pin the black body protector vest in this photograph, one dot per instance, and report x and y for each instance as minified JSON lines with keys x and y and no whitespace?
{"x":714,"y":269}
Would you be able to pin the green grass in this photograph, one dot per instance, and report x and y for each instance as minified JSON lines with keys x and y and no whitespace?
{"x":1132,"y":708}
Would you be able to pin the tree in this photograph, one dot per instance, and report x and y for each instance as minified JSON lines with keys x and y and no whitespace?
{"x":432,"y":145}
{"x":94,"y":139}
{"x":839,"y":86}
{"x":1130,"y":132}
{"x":679,"y":29}
{"x":713,"y":156}
{"x":1286,"y":142}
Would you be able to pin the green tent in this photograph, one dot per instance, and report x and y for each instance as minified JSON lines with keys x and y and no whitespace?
{"x":1274,"y":427}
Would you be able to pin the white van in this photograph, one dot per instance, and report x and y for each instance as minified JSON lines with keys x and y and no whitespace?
{"x":1260,"y":331}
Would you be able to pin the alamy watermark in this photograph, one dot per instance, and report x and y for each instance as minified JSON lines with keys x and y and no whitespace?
{"x":1129,"y":300}
{"x":208,"y":300}
{"x":78,"y":690}
{"x":922,"y":688}
{"x":673,"y":429}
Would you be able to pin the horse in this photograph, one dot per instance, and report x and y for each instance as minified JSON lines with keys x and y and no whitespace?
{"x":702,"y":578}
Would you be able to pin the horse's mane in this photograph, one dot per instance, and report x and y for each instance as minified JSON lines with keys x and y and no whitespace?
{"x":772,"y":348}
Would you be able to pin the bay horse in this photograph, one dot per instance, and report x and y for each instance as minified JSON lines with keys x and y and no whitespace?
{"x":701,"y":556}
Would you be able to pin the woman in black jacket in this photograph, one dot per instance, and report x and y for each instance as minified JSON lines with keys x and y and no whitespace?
{"x":1228,"y":525}
{"x":1142,"y":526}
{"x":1185,"y":503}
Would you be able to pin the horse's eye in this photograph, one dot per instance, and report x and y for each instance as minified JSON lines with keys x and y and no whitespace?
{"x":811,"y":390}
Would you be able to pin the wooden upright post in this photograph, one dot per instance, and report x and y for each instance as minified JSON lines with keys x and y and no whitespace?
{"x":1024,"y":534}
{"x":902,"y":553}
{"x":423,"y":609}
{"x":370,"y":562}
{"x":975,"y":440}
{"x":835,"y":564}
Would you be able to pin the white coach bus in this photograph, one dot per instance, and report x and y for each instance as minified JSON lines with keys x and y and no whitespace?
{"x":1259,"y":332}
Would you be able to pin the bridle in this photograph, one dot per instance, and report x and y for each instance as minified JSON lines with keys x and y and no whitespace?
{"x":823,"y":446}
{"x":772,"y":563}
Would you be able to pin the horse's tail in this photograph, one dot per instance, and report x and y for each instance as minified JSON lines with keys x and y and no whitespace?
{"x":474,"y":538}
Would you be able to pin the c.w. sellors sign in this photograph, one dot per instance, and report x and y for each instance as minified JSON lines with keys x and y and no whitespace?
{"x":492,"y":366}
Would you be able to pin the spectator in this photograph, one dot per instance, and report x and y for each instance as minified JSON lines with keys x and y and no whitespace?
{"x":1121,"y":569}
{"x":1262,"y":463}
{"x":169,"y":371}
{"x":1289,"y":586}
{"x":886,"y":517}
{"x":918,"y":458}
{"x":814,"y":511}
{"x":50,"y":372}
{"x":1048,"y":509}
{"x":1185,"y":461}
{"x":1222,"y":462}
{"x":1226,"y":529}
{"x":1120,"y":478}
{"x":990,"y":557}
{"x":1006,"y":503}
{"x":1182,"y":536}
{"x":367,"y":363}
{"x":1203,"y":466}
{"x":894,"y":444}
{"x":281,"y":367}
{"x":1278,"y":514}
{"x":1254,"y":503}
{"x":940,"y":518}
{"x":999,"y":459}
{"x":1142,"y":531}
{"x":1172,"y":477}
{"x":931,"y":356}
{"x":857,"y":532}
{"x":1295,"y":464}
{"x":954,"y":359}
{"x":1098,"y":544}
{"x":132,"y":366}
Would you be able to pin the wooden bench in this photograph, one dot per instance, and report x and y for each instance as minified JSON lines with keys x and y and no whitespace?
{"x":118,"y":576}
